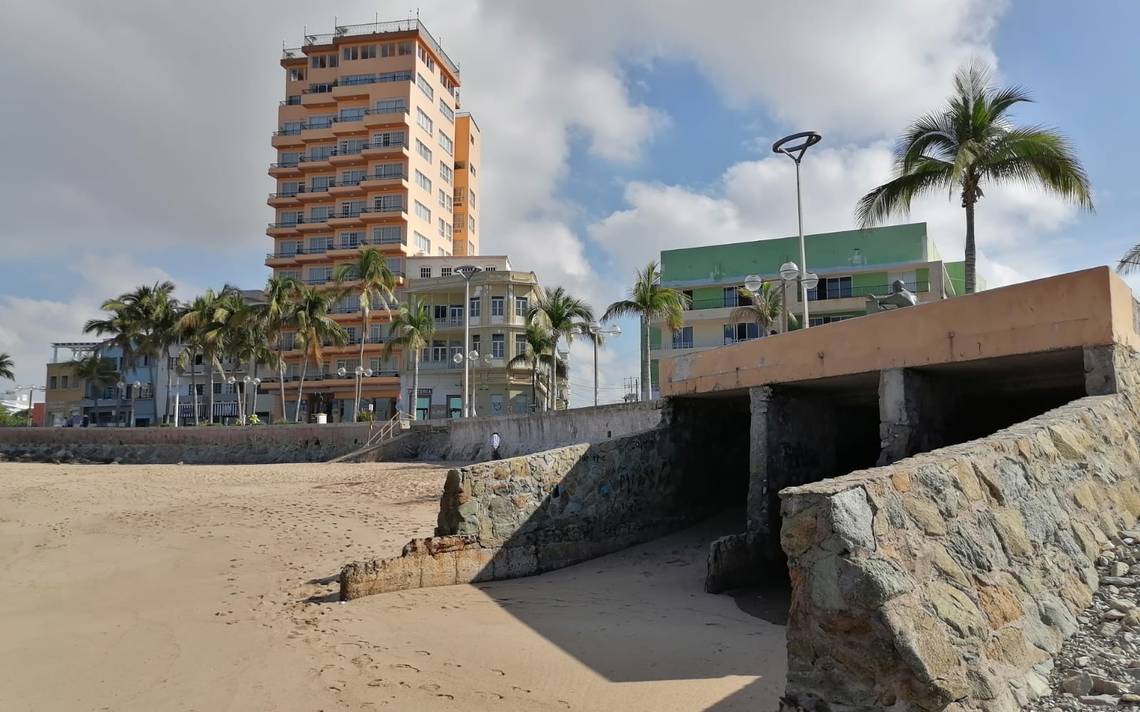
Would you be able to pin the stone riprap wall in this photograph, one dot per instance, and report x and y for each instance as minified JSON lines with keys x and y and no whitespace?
{"x":543,"y":511}
{"x":469,"y":439}
{"x":948,"y":580}
{"x":211,"y":445}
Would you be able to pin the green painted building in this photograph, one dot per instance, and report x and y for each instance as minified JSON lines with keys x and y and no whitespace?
{"x":851,"y":265}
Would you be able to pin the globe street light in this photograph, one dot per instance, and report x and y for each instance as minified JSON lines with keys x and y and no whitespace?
{"x":471,"y":359}
{"x":794,"y":147}
{"x":134,"y":393}
{"x":467,"y":272}
{"x":595,"y":330}
{"x":789,"y":271}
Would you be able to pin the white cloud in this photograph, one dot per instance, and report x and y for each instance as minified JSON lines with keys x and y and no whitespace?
{"x":756,"y":200}
{"x":29,"y":326}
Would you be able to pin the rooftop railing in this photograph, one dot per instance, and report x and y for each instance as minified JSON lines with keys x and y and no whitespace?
{"x":375,"y":28}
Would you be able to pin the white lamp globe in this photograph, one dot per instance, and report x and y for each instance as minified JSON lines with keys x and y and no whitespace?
{"x":789,"y":270}
{"x":811,"y":280}
{"x":753,"y":283}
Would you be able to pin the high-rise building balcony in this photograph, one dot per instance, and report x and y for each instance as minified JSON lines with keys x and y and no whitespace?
{"x":378,"y":149}
{"x":285,"y":199}
{"x":383,"y":179}
{"x":285,"y":169}
{"x":282,"y":139}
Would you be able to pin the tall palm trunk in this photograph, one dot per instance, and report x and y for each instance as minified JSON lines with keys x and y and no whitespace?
{"x":416,"y":386}
{"x":281,"y":371}
{"x":154,"y":388}
{"x":971,"y":254}
{"x":360,"y":364}
{"x":301,"y":387}
{"x":646,"y":384}
{"x":534,"y":384}
{"x":194,"y":388}
{"x":168,"y":384}
{"x":210,"y":396}
{"x":551,"y":398}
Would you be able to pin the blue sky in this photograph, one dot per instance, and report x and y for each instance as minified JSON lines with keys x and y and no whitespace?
{"x":610,"y":133}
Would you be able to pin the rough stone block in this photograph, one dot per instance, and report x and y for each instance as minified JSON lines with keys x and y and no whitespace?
{"x":437,"y":569}
{"x":474,"y":564}
{"x":515,"y":561}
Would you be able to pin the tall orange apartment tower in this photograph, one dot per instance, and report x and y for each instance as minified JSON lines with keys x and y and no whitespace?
{"x":372,"y":151}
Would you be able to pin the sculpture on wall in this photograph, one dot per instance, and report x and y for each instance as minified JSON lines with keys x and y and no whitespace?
{"x":899,"y":297}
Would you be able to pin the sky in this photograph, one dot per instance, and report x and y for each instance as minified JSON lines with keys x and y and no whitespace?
{"x":136,"y":137}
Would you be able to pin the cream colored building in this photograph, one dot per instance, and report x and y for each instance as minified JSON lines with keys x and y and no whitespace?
{"x":499,"y":300}
{"x":372,"y":150}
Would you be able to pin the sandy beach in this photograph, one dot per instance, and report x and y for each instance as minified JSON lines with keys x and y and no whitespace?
{"x":213,"y":588}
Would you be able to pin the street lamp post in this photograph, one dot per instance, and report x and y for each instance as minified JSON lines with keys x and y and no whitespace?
{"x":121,"y":391}
{"x":467,"y":272}
{"x":794,"y":147}
{"x":595,"y":330}
{"x":134,"y":393}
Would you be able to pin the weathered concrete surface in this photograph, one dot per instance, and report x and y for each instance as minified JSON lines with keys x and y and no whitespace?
{"x":213,"y":445}
{"x":948,"y":579}
{"x":469,"y":439}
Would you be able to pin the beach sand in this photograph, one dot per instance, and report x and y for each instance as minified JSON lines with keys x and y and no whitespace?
{"x":213,"y":588}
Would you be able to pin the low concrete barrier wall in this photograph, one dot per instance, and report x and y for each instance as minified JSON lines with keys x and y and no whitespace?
{"x":203,"y":445}
{"x":523,"y":434}
{"x":949,"y":579}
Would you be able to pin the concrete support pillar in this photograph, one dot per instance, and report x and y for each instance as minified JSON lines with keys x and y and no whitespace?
{"x":913,"y":407}
{"x":1105,"y":369}
{"x":760,"y":403}
{"x":738,"y":559}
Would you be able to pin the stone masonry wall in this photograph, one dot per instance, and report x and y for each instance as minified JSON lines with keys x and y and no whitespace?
{"x":948,"y":580}
{"x":203,"y":445}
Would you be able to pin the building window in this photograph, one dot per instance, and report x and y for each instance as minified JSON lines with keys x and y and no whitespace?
{"x":388,"y":235}
{"x":444,"y":271}
{"x":422,"y":212}
{"x":424,"y":151}
{"x":445,"y":110}
{"x":470,"y":192}
{"x":520,"y":344}
{"x":391,"y":106}
{"x":828,"y":319}
{"x":351,"y":239}
{"x":423,"y":244}
{"x":471,"y":223}
{"x":52,"y":383}
{"x":423,"y":181}
{"x":498,"y":345}
{"x":734,"y":333}
{"x":425,"y":272}
{"x":388,"y":170}
{"x":319,"y":184}
{"x":445,"y":200}
{"x":733,"y":297}
{"x":352,"y":208}
{"x":444,"y":229}
{"x":323,"y":61}
{"x":425,"y":86}
{"x":293,"y":100}
{"x":446,"y":143}
{"x":351,"y":177}
{"x":424,"y":121}
{"x":522,"y":304}
{"x":217,"y":389}
{"x":496,"y":306}
{"x":831,"y":288}
{"x":445,"y":172}
{"x":426,"y":58}
{"x":389,"y":138}
{"x":683,"y":338}
{"x":389,"y":203}
{"x":476,"y":307}
{"x":296,"y":74}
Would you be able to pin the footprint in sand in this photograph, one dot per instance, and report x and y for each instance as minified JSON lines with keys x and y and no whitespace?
{"x":397,"y":666}
{"x":490,"y":695}
{"x":497,"y":671}
{"x":520,"y":689}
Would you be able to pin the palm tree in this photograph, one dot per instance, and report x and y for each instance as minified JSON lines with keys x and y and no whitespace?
{"x":539,"y":353}
{"x":563,"y":315}
{"x":764,"y":309}
{"x":315,"y":328}
{"x":142,"y":324}
{"x":97,"y":374}
{"x":6,"y":366}
{"x":202,"y":324}
{"x":276,"y":314}
{"x":412,"y":329}
{"x":650,"y":301}
{"x":970,"y":144}
{"x":373,"y":284}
